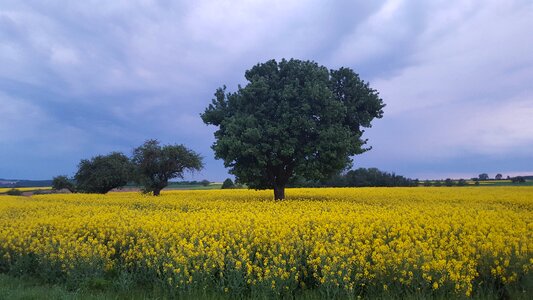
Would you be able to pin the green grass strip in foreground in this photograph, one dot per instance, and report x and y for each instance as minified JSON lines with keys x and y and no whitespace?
{"x":27,"y":288}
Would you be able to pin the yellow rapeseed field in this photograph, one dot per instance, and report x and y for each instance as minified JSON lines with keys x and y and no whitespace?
{"x":339,"y":240}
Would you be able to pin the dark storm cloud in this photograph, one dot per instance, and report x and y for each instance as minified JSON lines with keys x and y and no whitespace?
{"x":84,"y":78}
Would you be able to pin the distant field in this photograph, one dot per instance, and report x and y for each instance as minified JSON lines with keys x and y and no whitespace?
{"x":505,"y":183}
{"x":212,"y":186}
{"x":500,"y":183}
{"x":25,"y":189}
{"x":487,"y":183}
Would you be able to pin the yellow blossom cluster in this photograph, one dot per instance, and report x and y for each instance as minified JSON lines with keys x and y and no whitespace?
{"x":338,"y":239}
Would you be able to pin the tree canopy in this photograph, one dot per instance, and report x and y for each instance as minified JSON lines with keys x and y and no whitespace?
{"x":103,"y":173}
{"x":293,"y":119}
{"x":228,"y":184}
{"x":483,"y":176}
{"x":63,"y":182}
{"x":156,"y":165}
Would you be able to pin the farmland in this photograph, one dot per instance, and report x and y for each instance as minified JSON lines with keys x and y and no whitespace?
{"x":341,"y":242}
{"x":25,"y":189}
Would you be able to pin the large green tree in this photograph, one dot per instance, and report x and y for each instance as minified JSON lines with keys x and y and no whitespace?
{"x":156,"y":164}
{"x":103,"y":173}
{"x":293,"y":119}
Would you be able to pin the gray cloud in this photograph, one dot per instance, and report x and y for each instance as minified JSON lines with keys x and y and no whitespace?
{"x":82,"y":78}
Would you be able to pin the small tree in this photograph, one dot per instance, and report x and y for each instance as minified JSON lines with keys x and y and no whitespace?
{"x":228,"y":184}
{"x":63,"y":182}
{"x":461,"y":182}
{"x":483,"y":176}
{"x":205,"y":182}
{"x":103,"y":173}
{"x":155,"y":164}
{"x":498,"y":176}
{"x":449,"y":182}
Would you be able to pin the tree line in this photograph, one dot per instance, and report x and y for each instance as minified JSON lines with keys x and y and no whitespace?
{"x":499,"y":176}
{"x":361,"y":177}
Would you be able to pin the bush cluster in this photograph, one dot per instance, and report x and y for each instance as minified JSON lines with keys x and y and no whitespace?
{"x":14,"y":192}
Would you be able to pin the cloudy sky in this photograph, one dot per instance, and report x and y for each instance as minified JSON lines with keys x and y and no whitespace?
{"x":81,"y":78}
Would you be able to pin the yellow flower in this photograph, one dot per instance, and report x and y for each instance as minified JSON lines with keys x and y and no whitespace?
{"x":340,"y":237}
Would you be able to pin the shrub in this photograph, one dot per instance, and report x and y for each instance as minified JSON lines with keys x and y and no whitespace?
{"x":449,"y":182}
{"x":14,"y":192}
{"x":41,"y":192}
{"x":518,"y":179}
{"x":228,"y":184}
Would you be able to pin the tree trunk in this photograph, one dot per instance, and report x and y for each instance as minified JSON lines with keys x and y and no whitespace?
{"x":279,"y":192}
{"x":157,"y":192}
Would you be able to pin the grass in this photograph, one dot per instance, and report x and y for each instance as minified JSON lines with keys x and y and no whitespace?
{"x":27,"y":288}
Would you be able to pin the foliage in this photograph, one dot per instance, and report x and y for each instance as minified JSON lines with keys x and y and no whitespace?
{"x":63,"y":182}
{"x":341,"y":243}
{"x":192,"y":185}
{"x":461,"y":182}
{"x":14,"y":192}
{"x":368,"y":177}
{"x":103,"y":173}
{"x":155,"y":164}
{"x":498,"y":176}
{"x":427,"y":183}
{"x":483,"y":176}
{"x":518,"y":179}
{"x":293,"y":119}
{"x":186,"y":182}
{"x":449,"y":182}
{"x":205,"y":182}
{"x":228,"y":184}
